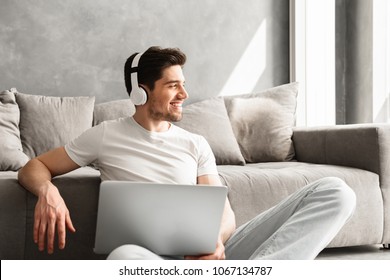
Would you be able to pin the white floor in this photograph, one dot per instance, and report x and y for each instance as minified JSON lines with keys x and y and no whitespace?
{"x":369,"y":252}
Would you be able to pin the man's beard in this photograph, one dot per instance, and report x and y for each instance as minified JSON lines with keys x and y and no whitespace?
{"x":169,"y":117}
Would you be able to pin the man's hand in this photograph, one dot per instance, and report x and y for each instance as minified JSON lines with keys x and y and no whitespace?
{"x":51,"y":214}
{"x":219,"y":253}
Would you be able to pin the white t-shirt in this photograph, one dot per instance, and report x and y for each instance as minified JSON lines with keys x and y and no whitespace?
{"x":124,"y":150}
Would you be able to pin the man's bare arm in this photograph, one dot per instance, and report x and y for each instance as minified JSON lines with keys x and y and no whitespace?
{"x":51,"y":213}
{"x":44,"y":167}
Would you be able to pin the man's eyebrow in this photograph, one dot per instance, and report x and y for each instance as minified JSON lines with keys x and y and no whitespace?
{"x":174,"y":82}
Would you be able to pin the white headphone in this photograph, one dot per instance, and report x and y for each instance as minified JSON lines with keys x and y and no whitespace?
{"x":137,"y":95}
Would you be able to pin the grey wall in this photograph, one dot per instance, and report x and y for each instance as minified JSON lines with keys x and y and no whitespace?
{"x":354,"y":64}
{"x":73,"y":47}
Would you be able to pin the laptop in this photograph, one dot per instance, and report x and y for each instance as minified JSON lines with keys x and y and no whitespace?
{"x":168,"y":219}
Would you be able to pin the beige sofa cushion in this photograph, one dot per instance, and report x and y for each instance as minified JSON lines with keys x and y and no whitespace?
{"x":210,"y":119}
{"x":255,"y":188}
{"x":47,"y":122}
{"x":12,"y":156}
{"x":112,"y":110}
{"x":263,"y":123}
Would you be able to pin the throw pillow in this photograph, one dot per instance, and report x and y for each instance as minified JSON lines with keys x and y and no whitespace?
{"x":12,"y":157}
{"x":47,"y":122}
{"x":209,"y":118}
{"x":263,"y":123}
{"x":112,"y":110}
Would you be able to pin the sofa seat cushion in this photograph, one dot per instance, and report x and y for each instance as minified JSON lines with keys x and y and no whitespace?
{"x":255,"y":188}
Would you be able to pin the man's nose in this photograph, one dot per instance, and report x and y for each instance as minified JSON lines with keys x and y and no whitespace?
{"x":183,"y":93}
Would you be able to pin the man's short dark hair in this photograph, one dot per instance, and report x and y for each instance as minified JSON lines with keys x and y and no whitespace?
{"x":151,"y":65}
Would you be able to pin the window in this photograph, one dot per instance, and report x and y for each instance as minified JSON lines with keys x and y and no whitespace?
{"x":381,"y":61}
{"x":312,"y":60}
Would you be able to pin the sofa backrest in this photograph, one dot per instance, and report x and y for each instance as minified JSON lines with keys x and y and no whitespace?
{"x":245,"y":128}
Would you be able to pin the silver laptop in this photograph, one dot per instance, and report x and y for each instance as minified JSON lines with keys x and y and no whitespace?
{"x":166,"y":219}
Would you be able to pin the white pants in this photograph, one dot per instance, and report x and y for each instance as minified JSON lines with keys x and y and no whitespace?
{"x":297,"y":228}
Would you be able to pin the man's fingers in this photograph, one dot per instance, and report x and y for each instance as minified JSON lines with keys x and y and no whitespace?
{"x":42,"y":235}
{"x":61,"y":232}
{"x":37,"y":222}
{"x":51,"y":228}
{"x":69,"y":223}
{"x":61,"y":228}
{"x":51,"y":222}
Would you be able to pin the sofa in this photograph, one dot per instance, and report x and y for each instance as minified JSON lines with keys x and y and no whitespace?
{"x":262,"y":157}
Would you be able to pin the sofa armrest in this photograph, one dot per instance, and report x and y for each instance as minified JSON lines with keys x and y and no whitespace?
{"x":364,"y":146}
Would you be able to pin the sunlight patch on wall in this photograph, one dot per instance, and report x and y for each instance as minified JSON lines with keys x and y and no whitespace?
{"x":250,"y":67}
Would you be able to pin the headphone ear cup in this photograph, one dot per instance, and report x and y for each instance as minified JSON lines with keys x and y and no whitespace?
{"x":138,"y":96}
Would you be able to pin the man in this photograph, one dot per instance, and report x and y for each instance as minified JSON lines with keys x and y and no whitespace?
{"x":148,"y":146}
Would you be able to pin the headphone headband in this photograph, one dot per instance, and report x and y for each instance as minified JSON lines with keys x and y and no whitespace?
{"x":135,"y":61}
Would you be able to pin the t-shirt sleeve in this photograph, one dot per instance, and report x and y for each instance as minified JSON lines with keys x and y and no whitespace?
{"x":85,"y":149}
{"x":206,"y":162}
